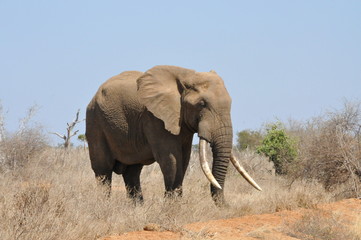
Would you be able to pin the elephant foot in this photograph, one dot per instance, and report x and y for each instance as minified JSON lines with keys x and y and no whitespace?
{"x":104,"y":182}
{"x":138,"y":201}
{"x":219,"y":201}
{"x":178,"y":192}
{"x":222,"y":204}
{"x":136,"y":195}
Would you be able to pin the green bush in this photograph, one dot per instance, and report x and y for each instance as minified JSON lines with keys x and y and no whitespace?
{"x":278,"y":147}
{"x":248,"y":139}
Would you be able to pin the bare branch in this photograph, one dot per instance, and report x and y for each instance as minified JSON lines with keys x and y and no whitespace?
{"x":69,"y":133}
{"x":74,"y":133}
{"x":25,"y":121}
{"x":77,"y":116}
{"x":59,"y":135}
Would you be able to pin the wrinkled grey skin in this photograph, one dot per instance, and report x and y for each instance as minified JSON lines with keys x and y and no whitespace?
{"x":136,"y":119}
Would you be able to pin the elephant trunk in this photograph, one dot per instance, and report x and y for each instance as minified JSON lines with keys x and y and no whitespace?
{"x":221,"y":149}
{"x":221,"y":145}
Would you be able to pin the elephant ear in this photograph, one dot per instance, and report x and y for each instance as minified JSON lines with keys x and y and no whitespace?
{"x":159,"y":89}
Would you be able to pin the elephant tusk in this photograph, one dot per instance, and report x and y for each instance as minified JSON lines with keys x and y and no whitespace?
{"x":244,"y":174}
{"x":204,"y":164}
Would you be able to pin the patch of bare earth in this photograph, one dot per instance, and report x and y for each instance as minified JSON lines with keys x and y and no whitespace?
{"x":265,"y":226}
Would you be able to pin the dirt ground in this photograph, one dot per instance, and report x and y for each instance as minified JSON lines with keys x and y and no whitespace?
{"x":266,"y":226}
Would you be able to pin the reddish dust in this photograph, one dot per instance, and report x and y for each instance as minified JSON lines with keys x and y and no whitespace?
{"x":265,"y":226}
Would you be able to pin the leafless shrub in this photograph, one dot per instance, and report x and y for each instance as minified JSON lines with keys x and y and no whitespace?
{"x":69,"y":131}
{"x":330,"y":150}
{"x":321,"y":225}
{"x":56,"y":197}
{"x":255,"y":164}
{"x":17,"y":148}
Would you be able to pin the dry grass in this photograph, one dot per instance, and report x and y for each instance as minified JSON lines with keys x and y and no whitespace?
{"x":323,"y":226}
{"x":54,"y":196}
{"x":330,"y":149}
{"x":51,"y":193}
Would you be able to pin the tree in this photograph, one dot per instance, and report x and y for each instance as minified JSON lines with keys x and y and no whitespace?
{"x":17,"y":148}
{"x":69,"y":131}
{"x":82,"y":138}
{"x":278,"y":147}
{"x":248,"y":139}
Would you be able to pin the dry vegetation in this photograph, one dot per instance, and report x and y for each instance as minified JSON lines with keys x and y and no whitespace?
{"x":322,"y":226}
{"x":54,"y":196}
{"x":50,"y":193}
{"x":329,"y":149}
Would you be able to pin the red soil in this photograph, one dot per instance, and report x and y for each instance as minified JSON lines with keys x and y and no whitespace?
{"x":265,"y":226}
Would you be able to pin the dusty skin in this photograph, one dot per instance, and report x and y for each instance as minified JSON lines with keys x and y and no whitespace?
{"x":265,"y":226}
{"x":136,"y":119}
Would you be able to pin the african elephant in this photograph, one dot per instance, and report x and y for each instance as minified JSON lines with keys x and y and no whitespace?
{"x":137,"y":118}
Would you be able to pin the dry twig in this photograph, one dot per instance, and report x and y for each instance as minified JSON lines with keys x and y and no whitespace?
{"x":69,"y":131}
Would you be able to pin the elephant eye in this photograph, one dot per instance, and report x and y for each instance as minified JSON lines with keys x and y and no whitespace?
{"x":202,"y":103}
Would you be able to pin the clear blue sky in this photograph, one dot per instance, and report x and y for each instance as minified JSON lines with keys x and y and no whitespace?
{"x":279,"y":59}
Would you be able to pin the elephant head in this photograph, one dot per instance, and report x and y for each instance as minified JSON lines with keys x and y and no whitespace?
{"x":198,"y":102}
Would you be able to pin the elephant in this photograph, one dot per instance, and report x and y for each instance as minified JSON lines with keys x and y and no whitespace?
{"x":137,"y":118}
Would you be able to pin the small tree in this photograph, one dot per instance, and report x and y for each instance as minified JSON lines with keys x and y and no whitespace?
{"x":17,"y":148}
{"x":69,"y":131}
{"x":248,"y":139}
{"x":278,"y":147}
{"x":330,"y":149}
{"x":82,"y":138}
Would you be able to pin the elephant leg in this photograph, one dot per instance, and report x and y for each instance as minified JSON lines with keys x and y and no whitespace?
{"x":167,"y":151}
{"x":186,"y":153}
{"x":131,"y":178}
{"x":172,"y":171}
{"x":168,"y":155}
{"x":102,"y":161}
{"x":105,"y":181}
{"x":182,"y":165}
{"x":171,"y":164}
